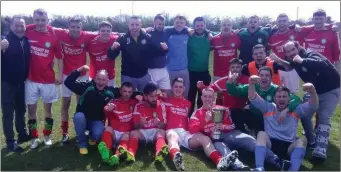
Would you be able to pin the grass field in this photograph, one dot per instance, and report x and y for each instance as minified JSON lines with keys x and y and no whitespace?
{"x":59,"y":157}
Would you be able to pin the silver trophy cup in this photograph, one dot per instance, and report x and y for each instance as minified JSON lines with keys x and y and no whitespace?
{"x":218,"y":116}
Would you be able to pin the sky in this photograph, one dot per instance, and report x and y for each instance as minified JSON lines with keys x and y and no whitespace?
{"x":188,"y":8}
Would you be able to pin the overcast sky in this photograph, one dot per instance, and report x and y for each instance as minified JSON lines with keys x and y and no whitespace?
{"x":189,"y":8}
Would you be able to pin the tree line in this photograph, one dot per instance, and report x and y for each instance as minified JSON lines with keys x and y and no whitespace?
{"x":119,"y":22}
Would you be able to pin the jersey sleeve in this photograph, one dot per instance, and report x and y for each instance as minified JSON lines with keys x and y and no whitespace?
{"x":277,"y":67}
{"x":219,"y":85}
{"x":294,"y":102}
{"x":261,"y":104}
{"x":237,"y":91}
{"x":336,"y":47}
{"x":306,"y":109}
{"x":90,"y":36}
{"x":195,"y":124}
{"x":60,"y":32}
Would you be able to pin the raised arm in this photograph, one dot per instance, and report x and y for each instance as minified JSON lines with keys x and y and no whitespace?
{"x":234,"y":90}
{"x":78,"y":87}
{"x":115,"y":48}
{"x":309,"y":107}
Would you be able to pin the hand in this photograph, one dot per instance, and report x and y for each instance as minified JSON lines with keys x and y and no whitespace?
{"x":164,"y":94}
{"x":233,"y":77}
{"x":59,"y":80}
{"x":110,"y":107}
{"x":115,"y":45}
{"x":297,"y":59}
{"x":281,"y":116}
{"x":4,"y":44}
{"x":190,"y":31}
{"x":164,"y":46}
{"x":139,"y":98}
{"x":200,"y":84}
{"x":298,"y":28}
{"x":254,"y":79}
{"x":210,"y":36}
{"x":83,"y":68}
{"x":309,"y":87}
{"x":335,"y":28}
{"x":236,"y":31}
{"x":148,"y":29}
{"x":274,"y":57}
{"x":219,"y":126}
{"x":208,"y":116}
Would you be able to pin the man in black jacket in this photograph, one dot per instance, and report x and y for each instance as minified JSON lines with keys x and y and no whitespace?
{"x":15,"y":54}
{"x":137,"y":49}
{"x":315,"y":68}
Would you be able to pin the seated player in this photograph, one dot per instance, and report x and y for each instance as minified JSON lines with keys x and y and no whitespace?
{"x":119,"y":113}
{"x":266,"y":89}
{"x":235,"y":104}
{"x":280,"y":129}
{"x":149,"y":119}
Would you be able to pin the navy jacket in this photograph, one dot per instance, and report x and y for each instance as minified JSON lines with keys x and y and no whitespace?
{"x":157,"y":60}
{"x":317,"y":70}
{"x":136,"y":54}
{"x":15,"y":60}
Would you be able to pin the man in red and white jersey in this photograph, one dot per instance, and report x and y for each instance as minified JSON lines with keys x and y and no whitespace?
{"x":225,"y":46}
{"x":41,"y":81}
{"x":239,"y":115}
{"x":149,"y":119}
{"x":290,"y":79}
{"x":177,"y":121}
{"x":98,"y":50}
{"x":323,"y":40}
{"x":119,"y":113}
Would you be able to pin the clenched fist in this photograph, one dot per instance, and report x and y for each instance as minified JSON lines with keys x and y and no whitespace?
{"x":83,"y":68}
{"x":115,"y":45}
{"x":253,"y":79}
{"x":274,"y":57}
{"x":297,"y":59}
{"x":110,"y":107}
{"x":308,"y":87}
{"x":4,"y":44}
{"x":164,"y":46}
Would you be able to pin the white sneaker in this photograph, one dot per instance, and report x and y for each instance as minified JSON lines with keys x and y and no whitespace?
{"x":35,"y":143}
{"x":226,"y":161}
{"x":178,"y":162}
{"x":47,"y":141}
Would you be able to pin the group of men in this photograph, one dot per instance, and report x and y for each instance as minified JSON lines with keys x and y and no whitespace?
{"x":255,"y":90}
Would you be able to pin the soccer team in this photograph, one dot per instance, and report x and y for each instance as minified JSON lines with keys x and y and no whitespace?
{"x":163,"y":70}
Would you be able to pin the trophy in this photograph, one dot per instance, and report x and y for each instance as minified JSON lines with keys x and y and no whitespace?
{"x":218,"y":116}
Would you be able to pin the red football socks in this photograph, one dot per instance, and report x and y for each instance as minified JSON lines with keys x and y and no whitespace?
{"x":133,"y":145}
{"x":215,"y":157}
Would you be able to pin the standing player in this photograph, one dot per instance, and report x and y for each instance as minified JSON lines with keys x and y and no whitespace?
{"x":98,"y":51}
{"x":41,"y":80}
{"x":149,"y":119}
{"x":280,"y":136}
{"x":288,"y":78}
{"x":198,"y":59}
{"x":119,"y":113}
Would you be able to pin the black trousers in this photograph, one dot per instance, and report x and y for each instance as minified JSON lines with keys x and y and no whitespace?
{"x":194,"y":77}
{"x":13,"y":101}
{"x":242,"y":117}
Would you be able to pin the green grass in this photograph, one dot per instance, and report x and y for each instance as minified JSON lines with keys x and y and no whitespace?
{"x":59,"y":157}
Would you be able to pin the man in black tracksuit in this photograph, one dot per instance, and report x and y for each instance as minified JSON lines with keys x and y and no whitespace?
{"x":15,"y":56}
{"x":137,"y":49}
{"x":94,"y":95}
{"x":315,"y":68}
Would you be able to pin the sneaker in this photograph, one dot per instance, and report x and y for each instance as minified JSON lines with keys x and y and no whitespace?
{"x":226,"y":161}
{"x":14,"y":147}
{"x":285,"y":165}
{"x":114,"y":160}
{"x":130,"y":157}
{"x":65,"y":139}
{"x":83,"y":151}
{"x":240,"y":167}
{"x":104,"y":151}
{"x":319,"y":155}
{"x":24,"y":138}
{"x":92,"y":142}
{"x":178,"y":162}
{"x":277,"y":162}
{"x":47,"y":140}
{"x":161,"y":155}
{"x":259,"y":169}
{"x":311,"y":145}
{"x":35,"y":143}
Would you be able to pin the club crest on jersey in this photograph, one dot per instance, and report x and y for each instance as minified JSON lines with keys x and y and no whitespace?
{"x":47,"y":44}
{"x":323,"y":41}
{"x":269,"y":98}
{"x":260,"y":40}
{"x":154,"y":114}
{"x":304,"y":69}
{"x":232,"y":45}
{"x":143,"y":41}
{"x":128,"y":40}
{"x":292,"y":37}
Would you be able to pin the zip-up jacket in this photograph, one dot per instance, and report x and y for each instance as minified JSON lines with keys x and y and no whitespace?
{"x":15,"y":60}
{"x":136,"y":54}
{"x":157,"y":60}
{"x":317,"y":70}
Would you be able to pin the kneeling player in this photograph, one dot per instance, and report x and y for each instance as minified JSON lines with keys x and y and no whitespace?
{"x":280,"y":135}
{"x":119,"y":113}
{"x":149,"y":119}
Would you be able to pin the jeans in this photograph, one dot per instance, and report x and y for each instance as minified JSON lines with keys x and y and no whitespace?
{"x":13,"y":101}
{"x":96,"y":129}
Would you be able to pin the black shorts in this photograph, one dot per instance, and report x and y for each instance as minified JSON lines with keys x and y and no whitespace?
{"x":280,"y":148}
